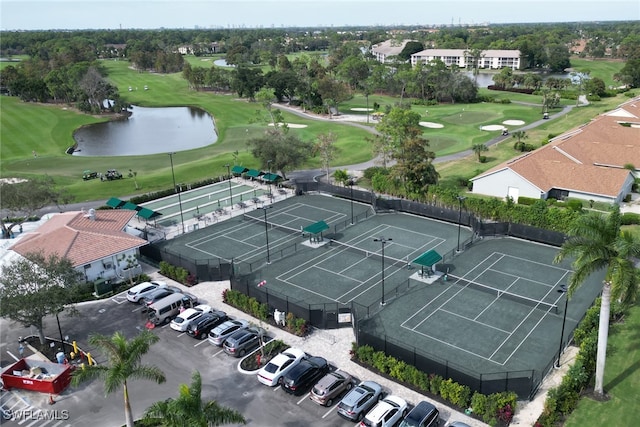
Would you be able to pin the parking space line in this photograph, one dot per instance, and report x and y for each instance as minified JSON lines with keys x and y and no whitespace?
{"x":215,"y":354}
{"x":303,"y":399}
{"x":11,"y":354}
{"x":200,"y":343}
{"x":330,"y":411}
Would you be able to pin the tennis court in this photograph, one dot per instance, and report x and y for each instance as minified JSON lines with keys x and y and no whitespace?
{"x":500,"y":311}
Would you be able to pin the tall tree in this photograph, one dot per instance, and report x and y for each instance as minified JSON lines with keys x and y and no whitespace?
{"x":23,"y":200}
{"x":282,"y":149}
{"x":124,"y":362}
{"x":596,"y":243}
{"x":35,"y":287}
{"x":326,"y":148}
{"x":188,"y":409}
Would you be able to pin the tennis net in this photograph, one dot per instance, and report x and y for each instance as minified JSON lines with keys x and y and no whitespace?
{"x":370,"y":254}
{"x":531,"y":302}
{"x":271,"y":225}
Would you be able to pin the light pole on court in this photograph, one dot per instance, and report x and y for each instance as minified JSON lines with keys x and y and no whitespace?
{"x":384,"y":242}
{"x":460,"y":200}
{"x":269,"y":167}
{"x":175,"y":188}
{"x":266,"y":230}
{"x":230,"y":193}
{"x":351,"y":183}
{"x":562,"y":290}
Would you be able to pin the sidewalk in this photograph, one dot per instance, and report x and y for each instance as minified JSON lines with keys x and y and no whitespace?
{"x":335,"y":344}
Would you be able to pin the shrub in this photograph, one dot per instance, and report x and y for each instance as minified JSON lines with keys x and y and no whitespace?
{"x":479,"y":404}
{"x":527,"y":201}
{"x":435,"y":381}
{"x":575,"y":205}
{"x":483,"y":159}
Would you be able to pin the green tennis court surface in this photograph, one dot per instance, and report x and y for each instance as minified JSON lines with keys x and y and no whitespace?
{"x":499,"y":309}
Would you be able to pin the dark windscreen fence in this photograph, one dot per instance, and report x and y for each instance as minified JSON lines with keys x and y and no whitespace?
{"x":535,"y":234}
{"x":369,"y":254}
{"x":271,"y":225}
{"x":531,"y":302}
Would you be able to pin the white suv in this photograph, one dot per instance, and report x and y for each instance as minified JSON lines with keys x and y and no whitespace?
{"x":184,"y":319}
{"x":387,"y":413}
{"x":137,"y":292}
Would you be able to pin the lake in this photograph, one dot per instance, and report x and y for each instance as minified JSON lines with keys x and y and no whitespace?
{"x":148,"y":131}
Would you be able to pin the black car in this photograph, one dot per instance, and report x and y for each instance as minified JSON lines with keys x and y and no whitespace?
{"x":242,"y":341}
{"x":303,"y":376}
{"x":205,"y":323}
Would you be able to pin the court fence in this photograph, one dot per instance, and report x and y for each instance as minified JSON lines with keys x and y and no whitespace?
{"x":211,"y":269}
{"x":480,"y":227}
{"x":322,"y":316}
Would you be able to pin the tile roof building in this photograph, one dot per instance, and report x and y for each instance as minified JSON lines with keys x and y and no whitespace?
{"x":589,"y":163}
{"x":96,"y":242}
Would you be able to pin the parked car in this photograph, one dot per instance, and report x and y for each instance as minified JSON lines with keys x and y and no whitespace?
{"x":424,"y":414}
{"x":137,"y":292}
{"x":304,"y":375}
{"x":272,"y":373}
{"x":459,"y":424}
{"x":357,"y":402}
{"x":330,"y":387}
{"x":220,"y":333}
{"x":184,"y":319}
{"x":242,"y":341}
{"x":200,"y":328}
{"x":159,"y":293}
{"x":387,"y":413}
{"x":163,"y":311}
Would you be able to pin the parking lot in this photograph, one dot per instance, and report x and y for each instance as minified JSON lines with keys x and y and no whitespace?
{"x":178,"y":355}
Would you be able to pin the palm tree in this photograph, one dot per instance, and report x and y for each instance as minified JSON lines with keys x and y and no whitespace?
{"x":189,"y":409}
{"x":123,"y":358}
{"x":520,"y":135}
{"x":596,"y":243}
{"x":478,"y":149}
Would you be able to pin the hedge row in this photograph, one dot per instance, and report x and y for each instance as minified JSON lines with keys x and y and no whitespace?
{"x":494,"y":408}
{"x":250,"y":305}
{"x":562,"y":400}
{"x":179,"y":274}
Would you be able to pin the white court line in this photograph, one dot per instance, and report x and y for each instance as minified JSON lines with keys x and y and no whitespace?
{"x":478,"y":265}
{"x":475,"y":321}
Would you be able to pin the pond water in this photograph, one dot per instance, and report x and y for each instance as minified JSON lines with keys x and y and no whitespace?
{"x":222,"y":63}
{"x":486,"y":79}
{"x":148,"y":131}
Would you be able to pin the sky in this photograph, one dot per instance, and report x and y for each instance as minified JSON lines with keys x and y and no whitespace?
{"x":190,"y":14}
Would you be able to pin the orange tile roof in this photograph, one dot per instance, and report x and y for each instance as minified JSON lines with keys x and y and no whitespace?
{"x":589,"y":159}
{"x":79,"y":238}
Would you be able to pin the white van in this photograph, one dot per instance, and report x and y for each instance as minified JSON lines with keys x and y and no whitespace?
{"x":169,"y":307}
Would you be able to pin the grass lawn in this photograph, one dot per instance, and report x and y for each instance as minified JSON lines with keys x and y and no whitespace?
{"x":48,"y":130}
{"x":621,"y":380}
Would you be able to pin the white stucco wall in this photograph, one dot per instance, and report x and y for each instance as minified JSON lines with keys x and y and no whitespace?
{"x":100,"y":269}
{"x":497,"y":184}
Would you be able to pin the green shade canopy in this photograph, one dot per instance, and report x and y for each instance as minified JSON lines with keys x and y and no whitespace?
{"x":238,"y":170}
{"x":428,"y":259}
{"x":254,"y":173}
{"x":271,"y":177}
{"x":131,"y":206}
{"x":148,"y":213}
{"x":115,"y":203}
{"x":316,"y":228}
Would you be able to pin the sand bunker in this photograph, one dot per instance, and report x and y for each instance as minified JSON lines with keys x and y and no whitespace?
{"x":431,"y":125}
{"x":513,"y":122}
{"x":361,"y":109}
{"x":291,"y":125}
{"x":492,"y":127}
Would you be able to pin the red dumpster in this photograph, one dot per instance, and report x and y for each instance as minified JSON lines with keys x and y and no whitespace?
{"x":37,"y":375}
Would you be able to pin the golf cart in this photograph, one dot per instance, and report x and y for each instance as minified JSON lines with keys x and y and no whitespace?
{"x":111,"y":175}
{"x":87,"y":175}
